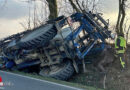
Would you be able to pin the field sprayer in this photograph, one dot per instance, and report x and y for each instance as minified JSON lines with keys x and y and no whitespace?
{"x":57,"y":47}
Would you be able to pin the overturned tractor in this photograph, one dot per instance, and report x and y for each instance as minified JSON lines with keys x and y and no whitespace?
{"x":57,"y":47}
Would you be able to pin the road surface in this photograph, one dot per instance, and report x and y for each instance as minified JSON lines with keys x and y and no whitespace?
{"x":19,"y":82}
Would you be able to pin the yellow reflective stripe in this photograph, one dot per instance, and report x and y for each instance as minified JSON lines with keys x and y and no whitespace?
{"x":122,"y":63}
{"x":120,"y":51}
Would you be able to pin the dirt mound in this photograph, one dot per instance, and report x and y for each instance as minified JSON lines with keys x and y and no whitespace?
{"x":114,"y":79}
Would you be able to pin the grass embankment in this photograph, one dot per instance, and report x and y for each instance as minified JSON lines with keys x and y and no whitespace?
{"x":34,"y":75}
{"x":116,"y":78}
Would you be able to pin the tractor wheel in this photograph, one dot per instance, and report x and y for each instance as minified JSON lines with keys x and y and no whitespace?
{"x":38,"y":37}
{"x":61,"y":71}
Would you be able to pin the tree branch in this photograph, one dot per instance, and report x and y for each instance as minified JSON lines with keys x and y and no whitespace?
{"x":74,"y":6}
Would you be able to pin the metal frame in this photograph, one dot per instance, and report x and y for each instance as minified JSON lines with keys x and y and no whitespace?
{"x":94,"y":31}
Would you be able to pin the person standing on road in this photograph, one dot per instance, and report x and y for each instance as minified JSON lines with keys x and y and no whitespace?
{"x":120,"y":46}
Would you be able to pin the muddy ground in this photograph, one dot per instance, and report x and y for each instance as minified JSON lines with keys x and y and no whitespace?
{"x":114,"y":79}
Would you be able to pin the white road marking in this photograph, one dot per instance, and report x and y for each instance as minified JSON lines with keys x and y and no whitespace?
{"x":42,"y":80}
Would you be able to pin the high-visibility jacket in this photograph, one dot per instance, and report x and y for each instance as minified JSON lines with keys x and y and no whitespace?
{"x":120,"y":44}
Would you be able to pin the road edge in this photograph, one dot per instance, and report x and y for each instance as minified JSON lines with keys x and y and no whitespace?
{"x":54,"y":83}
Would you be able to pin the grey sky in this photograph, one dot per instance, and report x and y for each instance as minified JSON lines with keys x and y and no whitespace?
{"x":109,"y":5}
{"x":13,"y":10}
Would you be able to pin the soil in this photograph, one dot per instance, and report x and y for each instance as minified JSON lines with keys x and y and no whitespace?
{"x":115,"y":78}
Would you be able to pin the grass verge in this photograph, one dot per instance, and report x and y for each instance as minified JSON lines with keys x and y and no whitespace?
{"x":56,"y":81}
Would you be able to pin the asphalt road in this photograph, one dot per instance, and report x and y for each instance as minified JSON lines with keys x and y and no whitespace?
{"x":19,"y":82}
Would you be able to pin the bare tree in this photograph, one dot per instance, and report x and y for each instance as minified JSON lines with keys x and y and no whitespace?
{"x":35,"y":18}
{"x":127,"y":34}
{"x":121,"y":17}
{"x":74,"y":5}
{"x":84,"y":5}
{"x":29,"y":15}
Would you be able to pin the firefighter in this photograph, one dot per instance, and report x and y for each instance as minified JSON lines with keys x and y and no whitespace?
{"x":120,"y":46}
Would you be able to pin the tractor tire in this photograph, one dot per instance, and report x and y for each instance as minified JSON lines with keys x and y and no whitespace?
{"x":38,"y":37}
{"x":65,"y":71}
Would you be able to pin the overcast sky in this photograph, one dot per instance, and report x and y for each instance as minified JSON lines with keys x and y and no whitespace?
{"x":16,"y":11}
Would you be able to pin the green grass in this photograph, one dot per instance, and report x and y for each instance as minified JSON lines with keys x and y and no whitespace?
{"x":57,"y":81}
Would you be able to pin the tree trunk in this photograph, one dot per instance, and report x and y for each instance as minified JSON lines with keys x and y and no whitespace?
{"x":121,"y":17}
{"x":118,"y":20}
{"x":53,"y":8}
{"x":77,"y":2}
